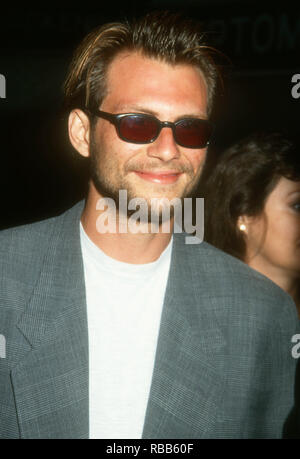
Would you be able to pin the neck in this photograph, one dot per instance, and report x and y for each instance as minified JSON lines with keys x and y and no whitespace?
{"x":137,"y":248}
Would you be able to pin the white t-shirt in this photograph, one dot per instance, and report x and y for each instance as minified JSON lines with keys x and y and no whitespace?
{"x":124,"y":304}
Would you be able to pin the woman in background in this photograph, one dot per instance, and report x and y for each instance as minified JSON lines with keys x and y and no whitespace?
{"x":252,"y":207}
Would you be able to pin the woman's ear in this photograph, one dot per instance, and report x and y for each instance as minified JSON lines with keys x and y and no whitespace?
{"x":79,"y":132}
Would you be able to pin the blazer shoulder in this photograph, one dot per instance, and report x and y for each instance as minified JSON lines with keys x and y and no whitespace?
{"x":23,"y":248}
{"x":233,"y":282}
{"x":31,"y":240}
{"x":25,"y":239}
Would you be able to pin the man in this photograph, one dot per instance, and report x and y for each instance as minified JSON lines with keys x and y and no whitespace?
{"x":127,"y":334}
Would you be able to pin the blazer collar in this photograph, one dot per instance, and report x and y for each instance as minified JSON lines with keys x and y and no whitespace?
{"x":61,"y":281}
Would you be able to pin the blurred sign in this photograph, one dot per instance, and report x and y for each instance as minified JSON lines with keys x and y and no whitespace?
{"x":261,"y":38}
{"x":2,"y":87}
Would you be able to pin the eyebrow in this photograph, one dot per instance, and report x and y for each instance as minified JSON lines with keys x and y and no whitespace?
{"x":294,"y":192}
{"x":140,"y":109}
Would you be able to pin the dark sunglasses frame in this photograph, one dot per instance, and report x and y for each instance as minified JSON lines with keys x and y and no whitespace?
{"x":116,"y":119}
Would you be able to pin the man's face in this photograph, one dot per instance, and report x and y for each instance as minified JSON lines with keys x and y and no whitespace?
{"x":162,"y":169}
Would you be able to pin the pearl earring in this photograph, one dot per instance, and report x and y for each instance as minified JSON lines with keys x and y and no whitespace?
{"x":243,"y":227}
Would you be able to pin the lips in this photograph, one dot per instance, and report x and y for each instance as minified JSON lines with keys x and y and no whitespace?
{"x":164,"y":177}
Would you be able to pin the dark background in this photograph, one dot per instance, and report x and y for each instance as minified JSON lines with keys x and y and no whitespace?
{"x":41,"y":174}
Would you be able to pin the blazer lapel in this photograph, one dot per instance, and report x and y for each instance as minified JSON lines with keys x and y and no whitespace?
{"x":51,"y":382}
{"x":187,"y":380}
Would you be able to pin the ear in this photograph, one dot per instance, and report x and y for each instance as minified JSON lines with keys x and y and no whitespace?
{"x":79,"y":131}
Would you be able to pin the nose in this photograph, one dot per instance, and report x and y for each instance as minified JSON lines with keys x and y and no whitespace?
{"x":164,"y":147}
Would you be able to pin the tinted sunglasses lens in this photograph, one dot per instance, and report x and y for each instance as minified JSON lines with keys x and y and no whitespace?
{"x":193,"y":133}
{"x":138,"y":128}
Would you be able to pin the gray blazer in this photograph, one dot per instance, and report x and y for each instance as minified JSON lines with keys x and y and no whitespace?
{"x":223,"y":366}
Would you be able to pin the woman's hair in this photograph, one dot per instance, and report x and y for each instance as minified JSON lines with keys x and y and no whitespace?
{"x":241,"y":181}
{"x":161,"y":35}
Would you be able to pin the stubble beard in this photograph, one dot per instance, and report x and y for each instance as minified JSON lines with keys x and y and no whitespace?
{"x":107,"y":189}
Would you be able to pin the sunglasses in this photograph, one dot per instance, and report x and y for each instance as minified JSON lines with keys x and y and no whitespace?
{"x":143,"y":128}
